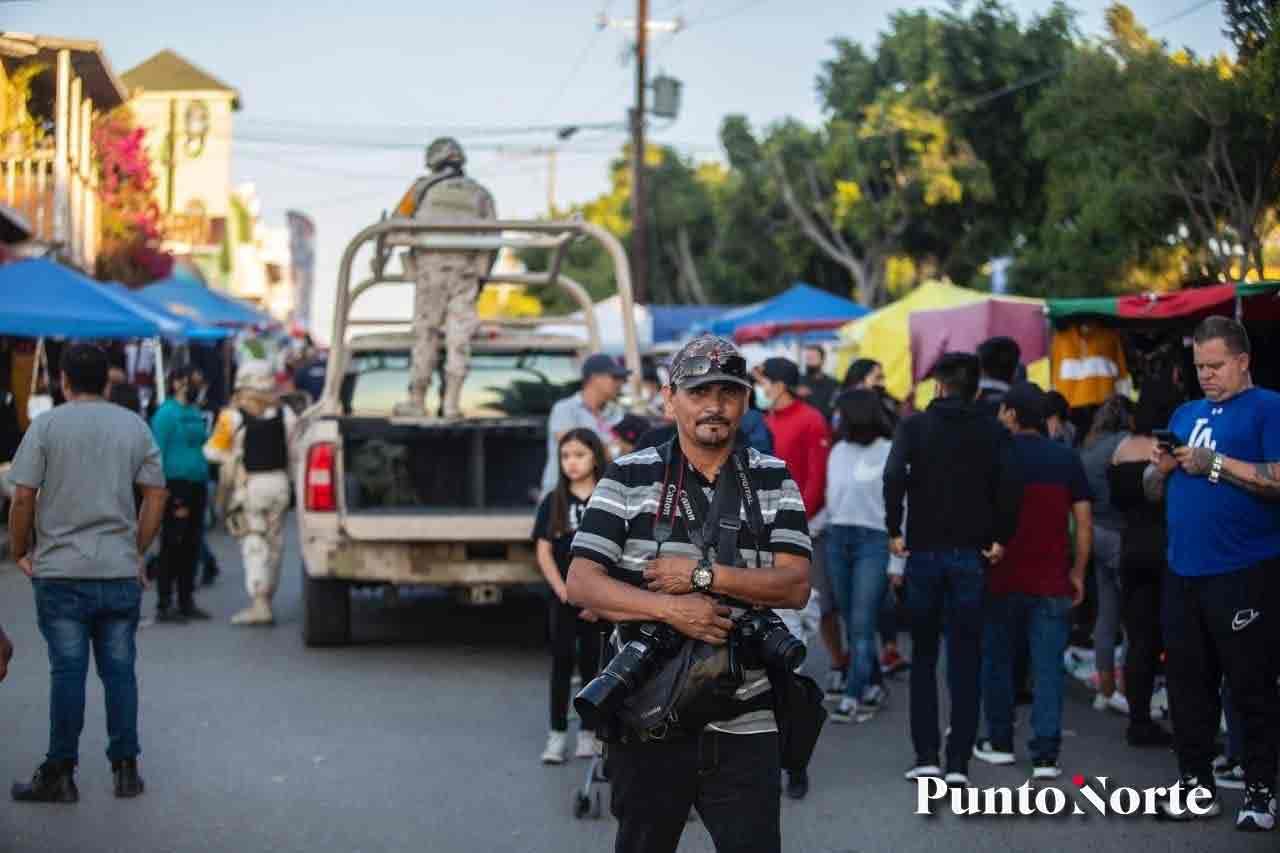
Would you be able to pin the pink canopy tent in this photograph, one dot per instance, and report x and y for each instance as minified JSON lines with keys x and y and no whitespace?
{"x":962,"y":328}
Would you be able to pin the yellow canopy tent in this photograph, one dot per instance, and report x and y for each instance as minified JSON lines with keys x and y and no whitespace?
{"x":885,"y":335}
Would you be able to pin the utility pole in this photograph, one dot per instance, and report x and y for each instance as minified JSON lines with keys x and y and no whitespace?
{"x":639,"y":201}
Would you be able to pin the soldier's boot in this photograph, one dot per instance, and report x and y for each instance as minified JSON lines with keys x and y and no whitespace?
{"x":414,"y":407}
{"x":453,"y":394}
{"x":257,"y":613}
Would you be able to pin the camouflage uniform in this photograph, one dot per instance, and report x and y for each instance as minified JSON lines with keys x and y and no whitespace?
{"x":448,"y":283}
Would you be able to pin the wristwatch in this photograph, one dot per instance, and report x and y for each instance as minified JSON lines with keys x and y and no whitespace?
{"x":703,"y":576}
{"x":1215,"y":470}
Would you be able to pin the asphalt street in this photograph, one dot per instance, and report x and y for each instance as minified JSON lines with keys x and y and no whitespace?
{"x":425,"y":736}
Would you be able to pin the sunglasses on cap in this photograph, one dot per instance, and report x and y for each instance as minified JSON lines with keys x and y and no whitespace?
{"x":701,"y":365}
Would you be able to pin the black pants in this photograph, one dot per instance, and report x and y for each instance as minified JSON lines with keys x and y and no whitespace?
{"x":180,"y":542}
{"x":1224,"y":626}
{"x":734,"y":781}
{"x":571,"y":638}
{"x":1140,"y":612}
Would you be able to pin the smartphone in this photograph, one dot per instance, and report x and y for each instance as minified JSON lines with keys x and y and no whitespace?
{"x":1167,"y":440}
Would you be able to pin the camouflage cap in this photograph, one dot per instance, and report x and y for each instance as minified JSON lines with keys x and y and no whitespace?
{"x":706,"y":359}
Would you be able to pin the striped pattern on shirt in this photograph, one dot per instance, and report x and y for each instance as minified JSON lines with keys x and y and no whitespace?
{"x":617,"y":532}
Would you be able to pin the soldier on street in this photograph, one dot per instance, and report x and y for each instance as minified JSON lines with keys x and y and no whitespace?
{"x":447,"y":283}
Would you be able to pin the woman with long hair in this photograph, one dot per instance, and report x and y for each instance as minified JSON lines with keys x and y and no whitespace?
{"x":574,"y":633}
{"x":1112,"y":424}
{"x":857,"y":543}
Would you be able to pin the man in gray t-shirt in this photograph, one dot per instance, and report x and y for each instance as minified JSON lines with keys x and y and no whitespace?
{"x":74,"y":478}
{"x":591,"y":408}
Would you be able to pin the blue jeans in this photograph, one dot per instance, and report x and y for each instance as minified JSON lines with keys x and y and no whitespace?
{"x":74,"y":614}
{"x":857,"y":559}
{"x":945,"y":585}
{"x":1046,"y":623}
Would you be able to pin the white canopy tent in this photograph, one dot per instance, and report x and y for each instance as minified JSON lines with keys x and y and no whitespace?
{"x":609,"y":317}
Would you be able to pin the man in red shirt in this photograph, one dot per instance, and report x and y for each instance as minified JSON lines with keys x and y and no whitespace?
{"x":1031,"y":591}
{"x":802,"y":439}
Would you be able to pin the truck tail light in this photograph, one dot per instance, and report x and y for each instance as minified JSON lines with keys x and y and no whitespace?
{"x":320,"y":496}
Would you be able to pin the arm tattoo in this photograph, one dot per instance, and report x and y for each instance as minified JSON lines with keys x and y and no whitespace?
{"x":1153,"y":484}
{"x":1263,"y":480}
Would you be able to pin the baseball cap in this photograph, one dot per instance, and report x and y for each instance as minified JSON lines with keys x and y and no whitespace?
{"x":601,"y":363}
{"x":707,"y":359}
{"x":782,"y":370}
{"x":630,"y":428}
{"x":1029,"y":403}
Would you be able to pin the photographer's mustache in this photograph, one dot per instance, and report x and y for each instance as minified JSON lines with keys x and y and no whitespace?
{"x":713,"y":421}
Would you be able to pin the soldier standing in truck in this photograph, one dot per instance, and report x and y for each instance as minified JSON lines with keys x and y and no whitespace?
{"x":446,"y":283}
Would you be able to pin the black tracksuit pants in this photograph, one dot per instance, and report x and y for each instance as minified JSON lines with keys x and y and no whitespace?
{"x":1224,"y":626}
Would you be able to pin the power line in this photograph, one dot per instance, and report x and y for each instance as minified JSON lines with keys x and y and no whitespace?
{"x":554,"y":100}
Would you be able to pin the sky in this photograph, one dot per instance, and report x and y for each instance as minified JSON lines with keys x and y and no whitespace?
{"x":392,"y":74}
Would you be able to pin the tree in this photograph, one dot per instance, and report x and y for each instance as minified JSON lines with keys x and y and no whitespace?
{"x":1173,"y":161}
{"x":131,"y":231}
{"x":1250,"y":25}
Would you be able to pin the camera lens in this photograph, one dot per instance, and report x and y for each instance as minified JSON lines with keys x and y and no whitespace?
{"x":603,"y":694}
{"x":782,"y":649}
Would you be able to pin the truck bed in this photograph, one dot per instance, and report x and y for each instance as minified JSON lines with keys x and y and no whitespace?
{"x":393,"y":467}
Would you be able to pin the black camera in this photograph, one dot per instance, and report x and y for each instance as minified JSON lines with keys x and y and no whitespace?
{"x":764,"y":642}
{"x":634,"y":663}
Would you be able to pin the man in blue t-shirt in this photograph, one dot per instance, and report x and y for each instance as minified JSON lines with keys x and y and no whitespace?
{"x":1221,"y":608}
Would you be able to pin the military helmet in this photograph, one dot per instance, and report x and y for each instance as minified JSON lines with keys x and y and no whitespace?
{"x":444,"y":151}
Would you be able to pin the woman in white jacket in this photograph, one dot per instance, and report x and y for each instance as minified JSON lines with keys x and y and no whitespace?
{"x":857,"y":544}
{"x":252,"y":440}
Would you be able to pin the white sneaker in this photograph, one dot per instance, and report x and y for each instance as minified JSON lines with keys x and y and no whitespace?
{"x":956,"y":778}
{"x":1115,"y":702}
{"x":1230,"y":774}
{"x":1045,"y":768}
{"x":985,"y":750}
{"x":1160,"y":705}
{"x":922,"y":770}
{"x":557,"y":743}
{"x":845,"y":711}
{"x":1165,"y":810}
{"x":835,"y":683}
{"x":586,"y":745}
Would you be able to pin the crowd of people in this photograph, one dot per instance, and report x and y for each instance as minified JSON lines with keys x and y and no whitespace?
{"x":990,"y":521}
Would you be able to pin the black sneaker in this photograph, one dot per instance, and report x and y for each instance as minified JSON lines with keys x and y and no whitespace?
{"x":167,"y":615}
{"x":1045,"y":769}
{"x":127,"y":781}
{"x":797,"y":784}
{"x":1148,"y":734}
{"x":1258,"y":814}
{"x":1189,"y":782}
{"x":925,"y":767}
{"x":994,"y":753}
{"x":195,"y":614}
{"x":53,"y":782}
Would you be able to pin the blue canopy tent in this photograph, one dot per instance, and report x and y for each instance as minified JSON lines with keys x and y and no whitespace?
{"x":42,"y":298}
{"x":671,"y":322}
{"x":172,"y":325}
{"x":190,"y":298}
{"x":801,"y":310}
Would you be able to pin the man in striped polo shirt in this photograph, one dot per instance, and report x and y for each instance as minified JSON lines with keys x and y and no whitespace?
{"x":730,"y":770}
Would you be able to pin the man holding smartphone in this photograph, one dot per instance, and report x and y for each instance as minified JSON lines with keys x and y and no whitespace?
{"x":1219,"y":471}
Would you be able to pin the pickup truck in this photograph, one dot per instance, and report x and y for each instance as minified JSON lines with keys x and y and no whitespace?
{"x":426,"y":500}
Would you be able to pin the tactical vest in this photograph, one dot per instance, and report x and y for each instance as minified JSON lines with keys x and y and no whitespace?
{"x":264,"y":443}
{"x":454,"y":199}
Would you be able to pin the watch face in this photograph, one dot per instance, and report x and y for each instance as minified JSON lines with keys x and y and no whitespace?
{"x":702,"y":577}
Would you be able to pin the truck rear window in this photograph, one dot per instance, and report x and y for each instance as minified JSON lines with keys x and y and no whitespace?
{"x":499,"y":385}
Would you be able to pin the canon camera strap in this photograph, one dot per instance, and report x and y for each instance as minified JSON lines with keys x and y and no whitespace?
{"x":721,"y":521}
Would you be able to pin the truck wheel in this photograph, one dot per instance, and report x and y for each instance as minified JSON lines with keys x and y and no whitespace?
{"x":326,"y":617}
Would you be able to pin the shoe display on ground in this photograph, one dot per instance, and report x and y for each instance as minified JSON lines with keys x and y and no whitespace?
{"x":1229,"y":774}
{"x":128,"y":783}
{"x":923,"y":768}
{"x":557,"y":747}
{"x":53,"y":782}
{"x":1258,"y":814}
{"x":1189,"y":783}
{"x":845,"y":711}
{"x":1045,"y":768}
{"x":586,"y":745}
{"x":986,"y":750}
{"x":797,"y":784}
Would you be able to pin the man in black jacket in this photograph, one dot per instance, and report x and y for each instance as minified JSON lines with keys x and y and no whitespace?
{"x":954,"y":465}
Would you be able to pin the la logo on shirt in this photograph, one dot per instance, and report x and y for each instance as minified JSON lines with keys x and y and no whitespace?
{"x":1202,"y":433}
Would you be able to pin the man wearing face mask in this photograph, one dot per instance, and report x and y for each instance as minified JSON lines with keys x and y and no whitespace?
{"x":817,"y":388}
